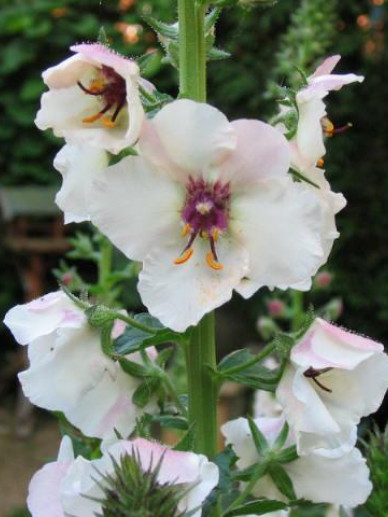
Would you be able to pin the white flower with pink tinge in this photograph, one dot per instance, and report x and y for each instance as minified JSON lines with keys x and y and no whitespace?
{"x":308,"y":144}
{"x":333,"y":379}
{"x":320,"y":477}
{"x":93,"y":98}
{"x":206,"y":204}
{"x":68,"y":485}
{"x":68,"y":371}
{"x":79,"y":165}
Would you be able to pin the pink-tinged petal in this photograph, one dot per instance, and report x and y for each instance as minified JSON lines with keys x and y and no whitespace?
{"x":195,"y":136}
{"x":322,"y":479}
{"x":102,"y":55}
{"x":43,"y":316}
{"x":79,"y":165}
{"x":179,"y":295}
{"x":326,"y":345}
{"x":43,"y":498}
{"x":322,"y":85}
{"x":327,"y":66}
{"x":136,"y":207}
{"x":67,"y":72}
{"x":261,"y":153}
{"x":279,"y":223}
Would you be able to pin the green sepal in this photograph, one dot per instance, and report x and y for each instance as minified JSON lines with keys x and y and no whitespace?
{"x":282,"y":436}
{"x":260,"y":441}
{"x":282,"y":480}
{"x":146,"y":391}
{"x":134,"y":369}
{"x":301,"y":177}
{"x":211,"y":19}
{"x":99,"y":316}
{"x":287,"y":455}
{"x":216,"y":54}
{"x":259,"y":507}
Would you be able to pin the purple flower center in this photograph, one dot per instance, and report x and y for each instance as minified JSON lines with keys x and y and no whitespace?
{"x":110,"y":87}
{"x":205,"y":214}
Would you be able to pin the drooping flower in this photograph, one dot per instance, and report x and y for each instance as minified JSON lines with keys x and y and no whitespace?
{"x":93,"y":98}
{"x":313,"y":125}
{"x":320,"y":476}
{"x":76,"y":487}
{"x":79,"y":165}
{"x":206,"y":204}
{"x":334,"y":378}
{"x":68,"y":371}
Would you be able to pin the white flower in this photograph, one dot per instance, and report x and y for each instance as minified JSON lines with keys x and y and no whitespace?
{"x":308,"y":144}
{"x":68,"y":371}
{"x":93,"y":98}
{"x":318,"y":477}
{"x":67,"y":486}
{"x":79,"y":165}
{"x":206,"y":204}
{"x":334,"y":378}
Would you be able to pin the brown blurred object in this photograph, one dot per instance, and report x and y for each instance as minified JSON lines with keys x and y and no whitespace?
{"x":125,"y":5}
{"x":33,"y":230}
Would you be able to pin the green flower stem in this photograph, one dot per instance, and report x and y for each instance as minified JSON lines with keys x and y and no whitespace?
{"x":200,"y":352}
{"x":134,"y":323}
{"x":202,"y":387}
{"x":256,"y":359}
{"x":192,"y":50}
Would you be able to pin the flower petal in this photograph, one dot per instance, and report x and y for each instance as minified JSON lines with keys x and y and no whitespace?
{"x":279,"y":222}
{"x":327,"y":66}
{"x":79,"y":166}
{"x":261,"y":153}
{"x":43,"y":316}
{"x":180,"y":295}
{"x":322,"y":479}
{"x":195,"y":136}
{"x":136,"y":207}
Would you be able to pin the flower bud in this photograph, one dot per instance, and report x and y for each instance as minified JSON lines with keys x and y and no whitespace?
{"x":266,"y":327}
{"x":323,"y":279}
{"x":99,"y":316}
{"x":275,"y":307}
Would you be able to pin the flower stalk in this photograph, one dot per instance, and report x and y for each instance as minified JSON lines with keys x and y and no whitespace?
{"x":201,"y":351}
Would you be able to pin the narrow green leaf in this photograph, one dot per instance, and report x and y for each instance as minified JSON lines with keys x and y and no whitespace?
{"x":259,"y":439}
{"x":164,"y":29}
{"x":257,"y":508}
{"x":282,"y":480}
{"x":172,"y":422}
{"x":211,"y":19}
{"x":216,"y":54}
{"x":134,"y":369}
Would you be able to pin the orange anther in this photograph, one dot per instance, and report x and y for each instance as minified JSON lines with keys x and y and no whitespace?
{"x":215,"y":234}
{"x":212,"y":263}
{"x":93,"y":118}
{"x":184,"y":257}
{"x":321,"y":163}
{"x":108,"y":123}
{"x":185,"y":230}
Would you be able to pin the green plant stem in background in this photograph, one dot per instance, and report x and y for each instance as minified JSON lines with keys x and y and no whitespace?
{"x":104,"y":270}
{"x":297,"y":309}
{"x":201,"y":351}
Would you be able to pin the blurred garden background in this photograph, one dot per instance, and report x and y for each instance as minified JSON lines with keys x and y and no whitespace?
{"x":266,"y":45}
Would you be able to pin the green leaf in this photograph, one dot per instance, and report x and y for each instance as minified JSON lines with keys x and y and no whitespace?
{"x":216,"y":54}
{"x":255,"y":376}
{"x":257,"y":508}
{"x":146,"y":391}
{"x":282,"y":480}
{"x":134,"y":340}
{"x":258,"y":438}
{"x":172,"y":422}
{"x":164,"y":29}
{"x":187,"y":442}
